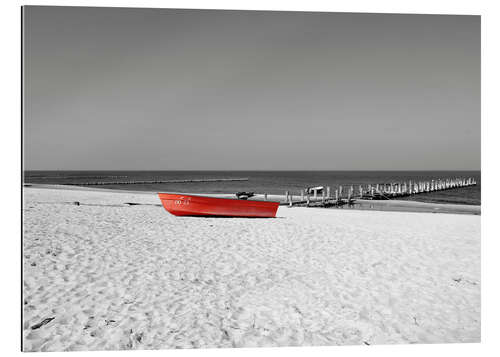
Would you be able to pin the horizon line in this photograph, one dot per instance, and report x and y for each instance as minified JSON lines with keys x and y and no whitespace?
{"x":276,"y":170}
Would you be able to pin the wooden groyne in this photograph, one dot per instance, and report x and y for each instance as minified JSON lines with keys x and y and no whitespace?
{"x":347,"y":194}
{"x":135,"y":182}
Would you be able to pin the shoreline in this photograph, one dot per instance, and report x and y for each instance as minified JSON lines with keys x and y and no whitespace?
{"x":363,"y":205}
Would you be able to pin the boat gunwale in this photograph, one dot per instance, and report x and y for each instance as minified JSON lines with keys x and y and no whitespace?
{"x":215,"y":198}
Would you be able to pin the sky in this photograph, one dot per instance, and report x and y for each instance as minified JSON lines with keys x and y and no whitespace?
{"x":167,"y":89}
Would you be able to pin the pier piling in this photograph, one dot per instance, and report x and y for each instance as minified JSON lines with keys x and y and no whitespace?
{"x":376,"y":191}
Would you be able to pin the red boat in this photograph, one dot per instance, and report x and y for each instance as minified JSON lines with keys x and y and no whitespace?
{"x":189,"y":205}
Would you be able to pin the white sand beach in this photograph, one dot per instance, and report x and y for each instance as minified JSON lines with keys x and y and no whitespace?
{"x":106,"y":275}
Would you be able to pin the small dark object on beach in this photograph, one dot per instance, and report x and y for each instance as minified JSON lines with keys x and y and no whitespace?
{"x":244,"y":195}
{"x":139,"y":336}
{"x":44,"y":322}
{"x":366,"y":343}
{"x":76,"y":203}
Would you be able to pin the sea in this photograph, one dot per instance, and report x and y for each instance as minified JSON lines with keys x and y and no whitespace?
{"x":270,"y":182}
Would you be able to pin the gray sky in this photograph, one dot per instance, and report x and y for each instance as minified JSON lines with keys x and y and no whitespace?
{"x":114,"y":88}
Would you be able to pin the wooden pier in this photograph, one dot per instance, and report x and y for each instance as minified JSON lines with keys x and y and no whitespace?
{"x":347,"y":194}
{"x":136,"y":182}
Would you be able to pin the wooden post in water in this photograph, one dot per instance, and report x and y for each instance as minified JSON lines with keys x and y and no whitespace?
{"x":328,"y":192}
{"x":336,"y":195}
{"x":360,"y":191}
{"x":291,"y":200}
{"x":340,"y":191}
{"x":286,"y":196}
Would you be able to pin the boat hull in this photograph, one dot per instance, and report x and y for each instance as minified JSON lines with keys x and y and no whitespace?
{"x":189,"y":205}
